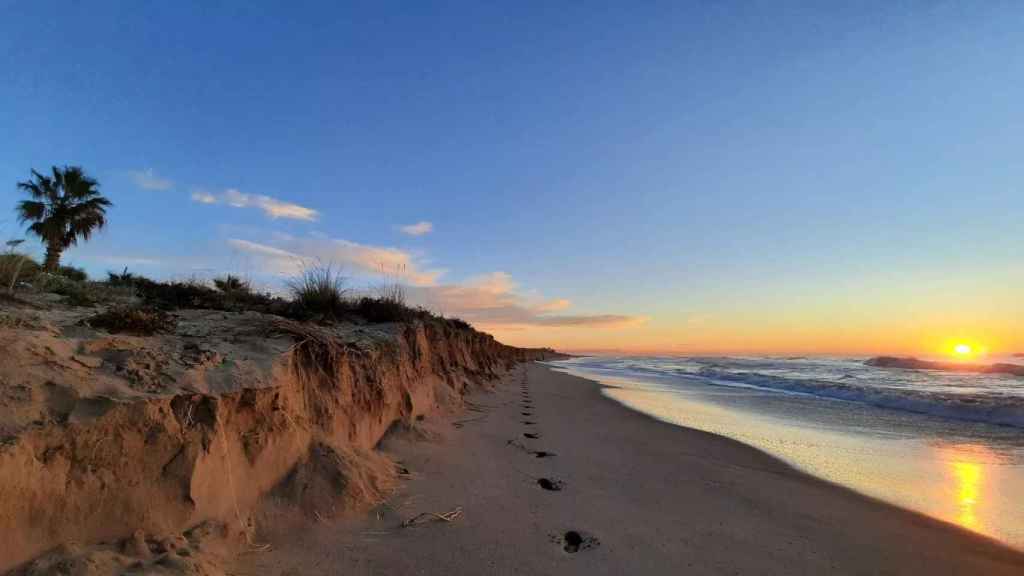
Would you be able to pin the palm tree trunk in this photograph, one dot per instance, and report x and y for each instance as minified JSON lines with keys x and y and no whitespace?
{"x":52,"y":261}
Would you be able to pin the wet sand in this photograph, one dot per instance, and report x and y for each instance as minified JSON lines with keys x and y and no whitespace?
{"x":618,"y":493}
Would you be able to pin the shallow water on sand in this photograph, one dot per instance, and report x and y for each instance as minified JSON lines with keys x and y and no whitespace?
{"x":965,"y":472}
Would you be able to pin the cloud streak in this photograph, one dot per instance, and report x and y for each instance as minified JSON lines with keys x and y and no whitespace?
{"x":418,"y":229}
{"x":148,"y":180}
{"x":492,"y":301}
{"x":290,"y":255}
{"x":272,"y":207}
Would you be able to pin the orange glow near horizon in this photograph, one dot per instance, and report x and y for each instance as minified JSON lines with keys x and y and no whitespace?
{"x":874,"y":314}
{"x":926,"y":340}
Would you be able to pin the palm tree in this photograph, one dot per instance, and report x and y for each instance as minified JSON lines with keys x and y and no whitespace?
{"x":64,"y":208}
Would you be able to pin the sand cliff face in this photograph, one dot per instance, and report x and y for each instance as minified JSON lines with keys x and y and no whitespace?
{"x":103,"y":435}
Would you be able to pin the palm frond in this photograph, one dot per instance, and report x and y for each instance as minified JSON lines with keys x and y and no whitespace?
{"x":77,"y":185}
{"x":31,"y":210}
{"x":40,"y":187}
{"x":83,"y":227}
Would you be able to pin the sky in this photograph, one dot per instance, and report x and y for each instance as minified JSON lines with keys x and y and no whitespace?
{"x":657,"y":177}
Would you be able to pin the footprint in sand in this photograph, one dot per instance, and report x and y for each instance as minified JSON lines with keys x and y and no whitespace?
{"x":574,"y":542}
{"x":549,"y":484}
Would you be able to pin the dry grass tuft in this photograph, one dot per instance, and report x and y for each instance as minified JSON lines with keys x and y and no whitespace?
{"x":316,"y":353}
{"x":320,"y":293}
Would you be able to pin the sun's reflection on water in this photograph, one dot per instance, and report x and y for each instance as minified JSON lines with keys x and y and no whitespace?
{"x":968,"y":477}
{"x":968,"y":467}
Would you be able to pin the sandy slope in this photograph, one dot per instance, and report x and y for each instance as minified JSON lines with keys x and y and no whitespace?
{"x":647,"y":498}
{"x":117,"y":449}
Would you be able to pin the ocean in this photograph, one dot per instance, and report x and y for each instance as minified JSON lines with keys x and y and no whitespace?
{"x":949,"y":445}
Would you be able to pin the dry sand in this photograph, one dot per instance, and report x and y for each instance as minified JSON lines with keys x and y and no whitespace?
{"x":148,"y":454}
{"x":645,"y":497}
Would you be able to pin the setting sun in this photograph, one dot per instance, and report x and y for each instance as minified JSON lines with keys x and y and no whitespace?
{"x":966,"y":350}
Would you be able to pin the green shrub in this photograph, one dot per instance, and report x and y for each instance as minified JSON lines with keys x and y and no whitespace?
{"x":173,"y":295}
{"x":125,"y":278}
{"x":16,"y":268}
{"x":72,"y":273}
{"x":379,"y":309}
{"x":76,"y":293}
{"x":143,"y":320}
{"x":232,"y":294}
{"x":459,"y":323}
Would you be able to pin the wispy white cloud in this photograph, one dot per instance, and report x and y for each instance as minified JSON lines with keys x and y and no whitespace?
{"x":493,"y":301}
{"x":294,"y":261}
{"x":130,"y":261}
{"x":203,"y":197}
{"x":272,"y":207}
{"x":418,"y":229}
{"x":148,"y":180}
{"x":289,"y":255}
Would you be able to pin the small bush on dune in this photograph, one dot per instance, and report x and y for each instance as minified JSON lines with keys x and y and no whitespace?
{"x":77,"y":293}
{"x":125,"y":278}
{"x":145,"y":320}
{"x":174,"y":295}
{"x":231,"y":284}
{"x":16,"y":268}
{"x":459,"y":323}
{"x":72,"y":273}
{"x":378,"y":310}
{"x":229,"y":293}
{"x":387,"y":306}
{"x":319,"y":292}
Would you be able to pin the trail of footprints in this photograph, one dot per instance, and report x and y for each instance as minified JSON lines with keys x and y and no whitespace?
{"x":572,"y":541}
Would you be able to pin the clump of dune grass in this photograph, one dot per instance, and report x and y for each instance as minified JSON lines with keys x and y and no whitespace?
{"x":320,"y":293}
{"x":231,"y":284}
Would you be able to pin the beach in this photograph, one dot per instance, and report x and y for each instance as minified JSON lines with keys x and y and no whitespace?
{"x":617,"y":492}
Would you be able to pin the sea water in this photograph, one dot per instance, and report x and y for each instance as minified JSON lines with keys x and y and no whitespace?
{"x":949,"y":445}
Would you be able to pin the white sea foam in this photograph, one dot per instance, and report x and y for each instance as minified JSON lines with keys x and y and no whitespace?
{"x":991,"y":398}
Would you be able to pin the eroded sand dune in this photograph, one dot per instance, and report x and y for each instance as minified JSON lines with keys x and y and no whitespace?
{"x":137,"y":447}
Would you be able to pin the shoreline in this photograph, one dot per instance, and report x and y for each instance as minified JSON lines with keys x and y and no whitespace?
{"x":642,"y":495}
{"x":796,"y":469}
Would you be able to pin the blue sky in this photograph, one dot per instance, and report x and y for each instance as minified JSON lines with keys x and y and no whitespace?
{"x":596,"y":175}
